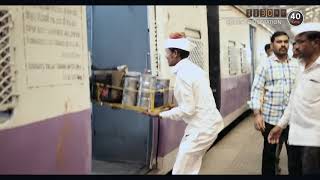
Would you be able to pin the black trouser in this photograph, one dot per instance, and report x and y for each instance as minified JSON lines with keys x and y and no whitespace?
{"x":269,"y":150}
{"x":278,"y":152}
{"x":305,"y":160}
{"x":311,"y":160}
{"x":295,"y":160}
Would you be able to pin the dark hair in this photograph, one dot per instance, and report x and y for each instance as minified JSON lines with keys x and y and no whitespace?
{"x":311,"y":35}
{"x":267,"y":47}
{"x":183,"y":54}
{"x":278,"y":33}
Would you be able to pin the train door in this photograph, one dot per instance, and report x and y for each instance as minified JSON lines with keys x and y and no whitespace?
{"x":121,"y":138}
{"x":252,"y":31}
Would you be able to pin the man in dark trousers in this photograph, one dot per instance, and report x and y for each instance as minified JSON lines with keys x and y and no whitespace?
{"x":272,"y":85}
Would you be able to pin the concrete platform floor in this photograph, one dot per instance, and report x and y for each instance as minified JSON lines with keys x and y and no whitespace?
{"x":239,"y":152}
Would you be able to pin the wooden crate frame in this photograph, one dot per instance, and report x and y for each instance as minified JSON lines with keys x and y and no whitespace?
{"x":136,"y":108}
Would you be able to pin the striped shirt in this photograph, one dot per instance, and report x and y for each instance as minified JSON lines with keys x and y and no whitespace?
{"x":272,"y":87}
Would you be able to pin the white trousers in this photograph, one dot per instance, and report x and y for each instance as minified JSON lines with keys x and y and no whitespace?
{"x":192,"y":148}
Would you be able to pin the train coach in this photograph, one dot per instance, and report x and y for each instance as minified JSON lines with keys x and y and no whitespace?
{"x":48,"y":122}
{"x":228,"y":47}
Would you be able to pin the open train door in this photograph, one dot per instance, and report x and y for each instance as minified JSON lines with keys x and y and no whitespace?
{"x":122,"y":139}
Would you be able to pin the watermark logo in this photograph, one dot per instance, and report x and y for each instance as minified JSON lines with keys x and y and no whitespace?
{"x":295,"y":18}
{"x":266,"y":13}
{"x":244,"y":20}
{"x":260,"y":16}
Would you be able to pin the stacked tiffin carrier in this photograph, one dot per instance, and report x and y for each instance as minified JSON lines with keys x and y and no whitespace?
{"x":136,"y":91}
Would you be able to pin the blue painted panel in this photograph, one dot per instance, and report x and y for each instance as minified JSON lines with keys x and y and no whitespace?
{"x":119,"y":35}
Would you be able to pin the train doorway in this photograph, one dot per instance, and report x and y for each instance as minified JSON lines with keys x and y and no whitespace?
{"x":121,"y":139}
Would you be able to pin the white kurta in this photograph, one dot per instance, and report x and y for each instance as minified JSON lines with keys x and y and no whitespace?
{"x":303,"y":111}
{"x":197,"y":107}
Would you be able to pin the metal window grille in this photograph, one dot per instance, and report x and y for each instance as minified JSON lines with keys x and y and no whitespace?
{"x":196,"y":54}
{"x":233,"y":58}
{"x":6,"y":69}
{"x":244,"y":63}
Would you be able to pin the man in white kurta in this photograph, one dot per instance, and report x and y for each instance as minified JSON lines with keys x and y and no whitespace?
{"x":303,"y":111}
{"x":195,"y":106}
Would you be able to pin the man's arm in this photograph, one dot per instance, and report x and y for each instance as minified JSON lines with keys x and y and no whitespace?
{"x":257,"y":90}
{"x":186,"y":107}
{"x":284,"y":120}
{"x":257,"y":93}
{"x":275,"y":133}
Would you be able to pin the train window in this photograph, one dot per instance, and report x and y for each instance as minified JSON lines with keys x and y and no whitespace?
{"x":243,"y":56}
{"x":233,"y":58}
{"x":6,"y":71}
{"x":196,"y":54}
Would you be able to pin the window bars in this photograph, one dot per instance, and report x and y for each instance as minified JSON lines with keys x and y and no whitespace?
{"x":196,"y":54}
{"x":6,"y":69}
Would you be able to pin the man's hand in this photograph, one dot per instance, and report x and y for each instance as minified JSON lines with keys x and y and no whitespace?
{"x":259,"y":122}
{"x":170,"y":106}
{"x":274,"y":135}
{"x":154,"y":113}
